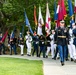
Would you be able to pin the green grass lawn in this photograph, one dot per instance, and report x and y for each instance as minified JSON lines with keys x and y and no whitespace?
{"x":15,"y":66}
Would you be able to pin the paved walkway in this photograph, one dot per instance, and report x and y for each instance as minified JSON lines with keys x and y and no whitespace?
{"x":51,"y":67}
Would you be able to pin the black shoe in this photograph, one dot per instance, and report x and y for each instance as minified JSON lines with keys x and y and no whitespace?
{"x":75,"y":60}
{"x":54,"y":58}
{"x":46,"y":56}
{"x":58,"y":57}
{"x":4,"y":53}
{"x":62,"y":63}
{"x":15,"y":53}
{"x":71,"y":59}
{"x":67,"y":59}
{"x":0,"y":53}
{"x":29,"y":55}
{"x":43,"y":57}
{"x":39,"y":56}
{"x":10,"y":54}
{"x":22,"y":54}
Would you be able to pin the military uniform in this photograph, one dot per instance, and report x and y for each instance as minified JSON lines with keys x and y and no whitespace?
{"x":61,"y":36}
{"x":53,"y":45}
{"x":70,"y":44}
{"x":13,"y":42}
{"x":42,"y":45}
{"x":74,"y":42}
{"x":0,"y":45}
{"x":28,"y":43}
{"x":35,"y":44}
{"x":21,"y":44}
{"x":48,"y":39}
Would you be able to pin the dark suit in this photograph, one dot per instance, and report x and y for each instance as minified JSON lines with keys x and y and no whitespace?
{"x":61,"y":38}
{"x":42,"y":45}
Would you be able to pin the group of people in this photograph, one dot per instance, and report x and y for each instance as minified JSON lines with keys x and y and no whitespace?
{"x":60,"y":42}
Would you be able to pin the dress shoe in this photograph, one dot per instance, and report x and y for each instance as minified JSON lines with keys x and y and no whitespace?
{"x":54,"y":58}
{"x":58,"y":57}
{"x":71,"y":59}
{"x":46,"y":56}
{"x":29,"y":55}
{"x":22,"y":54}
{"x":67,"y":59}
{"x":15,"y":53}
{"x":62,"y":63}
{"x":75,"y":60}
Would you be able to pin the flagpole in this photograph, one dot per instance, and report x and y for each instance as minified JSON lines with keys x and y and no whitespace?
{"x":35,"y":19}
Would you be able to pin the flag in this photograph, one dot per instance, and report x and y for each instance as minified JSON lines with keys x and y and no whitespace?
{"x":26,"y":20}
{"x":4,"y":37}
{"x":61,"y":11}
{"x":12,"y":35}
{"x":71,"y":13}
{"x":55,"y":13}
{"x":27,"y":23}
{"x":40,"y":22}
{"x":48,"y":20}
{"x":75,"y":7}
{"x":35,"y":19}
{"x":70,"y":8}
{"x":71,"y":22}
{"x":75,"y":11}
{"x":30,"y":29}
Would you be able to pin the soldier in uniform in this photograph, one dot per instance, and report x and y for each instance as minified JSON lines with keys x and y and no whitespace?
{"x":53,"y":45}
{"x":21,"y":43}
{"x":70,"y":43}
{"x":74,"y":42}
{"x":28,"y":43}
{"x":42,"y":45}
{"x":2,"y":46}
{"x":48,"y":39}
{"x":13,"y":42}
{"x":35,"y":44}
{"x":0,"y":43}
{"x":61,"y":37}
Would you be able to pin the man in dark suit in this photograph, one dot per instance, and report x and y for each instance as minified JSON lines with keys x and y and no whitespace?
{"x":61,"y":37}
{"x":42,"y":45}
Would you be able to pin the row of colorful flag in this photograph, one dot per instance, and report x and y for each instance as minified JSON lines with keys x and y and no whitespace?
{"x":59,"y":14}
{"x":40,"y":21}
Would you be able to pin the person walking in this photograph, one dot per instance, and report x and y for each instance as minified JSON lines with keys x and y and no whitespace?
{"x":35,"y":44}
{"x":21,"y":43}
{"x":61,"y":36}
{"x":42,"y":45}
{"x":28,"y":38}
{"x":48,"y":40}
